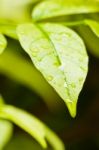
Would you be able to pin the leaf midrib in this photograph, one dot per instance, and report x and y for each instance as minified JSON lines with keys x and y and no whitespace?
{"x":47,"y":36}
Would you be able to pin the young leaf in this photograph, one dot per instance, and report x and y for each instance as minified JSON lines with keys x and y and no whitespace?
{"x":32,"y":125}
{"x":60,"y":55}
{"x":54,"y":8}
{"x":3,"y":43}
{"x":6,"y":129}
{"x":26,"y":121}
{"x":94,"y":25}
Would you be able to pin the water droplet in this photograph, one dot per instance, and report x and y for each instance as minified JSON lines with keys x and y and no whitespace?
{"x":34,"y":50}
{"x":81,"y":59}
{"x":67,"y":34}
{"x":34,"y":54}
{"x":22,"y":32}
{"x":80,"y":79}
{"x":49,"y":78}
{"x":83,"y":68}
{"x":65,"y":85}
{"x":73,"y":85}
{"x":70,"y":101}
{"x":39,"y":59}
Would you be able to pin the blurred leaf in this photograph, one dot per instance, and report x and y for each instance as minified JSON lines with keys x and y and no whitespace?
{"x":31,"y":125}
{"x":3,"y":43}
{"x":65,"y":70}
{"x":54,"y":8}
{"x":26,"y":121}
{"x":16,"y":11}
{"x":54,"y":140}
{"x":6,"y":129}
{"x":91,"y":40}
{"x":21,"y":141}
{"x":8,"y":29}
{"x":93,"y":25}
{"x":24,"y":73}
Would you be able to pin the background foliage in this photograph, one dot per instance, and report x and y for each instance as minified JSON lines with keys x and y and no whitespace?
{"x":23,"y":86}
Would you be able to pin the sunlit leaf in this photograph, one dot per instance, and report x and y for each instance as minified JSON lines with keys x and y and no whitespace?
{"x":3,"y":43}
{"x":60,"y":55}
{"x":94,"y":25}
{"x":6,"y":129}
{"x":54,"y":8}
{"x":32,"y":125}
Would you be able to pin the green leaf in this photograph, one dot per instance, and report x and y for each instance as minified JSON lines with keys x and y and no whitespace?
{"x":60,"y":55}
{"x":94,"y":25}
{"x":23,"y":142}
{"x":6,"y":129}
{"x":8,"y":29}
{"x":26,"y":74}
{"x":3,"y":43}
{"x":26,"y":121}
{"x":17,"y":10}
{"x":91,"y":40}
{"x":31,"y":125}
{"x":54,"y":140}
{"x":54,"y":8}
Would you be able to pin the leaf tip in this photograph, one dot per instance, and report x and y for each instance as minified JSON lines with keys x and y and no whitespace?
{"x":44,"y":144}
{"x":72,"y":108}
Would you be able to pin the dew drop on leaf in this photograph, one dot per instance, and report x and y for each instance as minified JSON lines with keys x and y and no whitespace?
{"x":73,"y":85}
{"x":49,"y":78}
